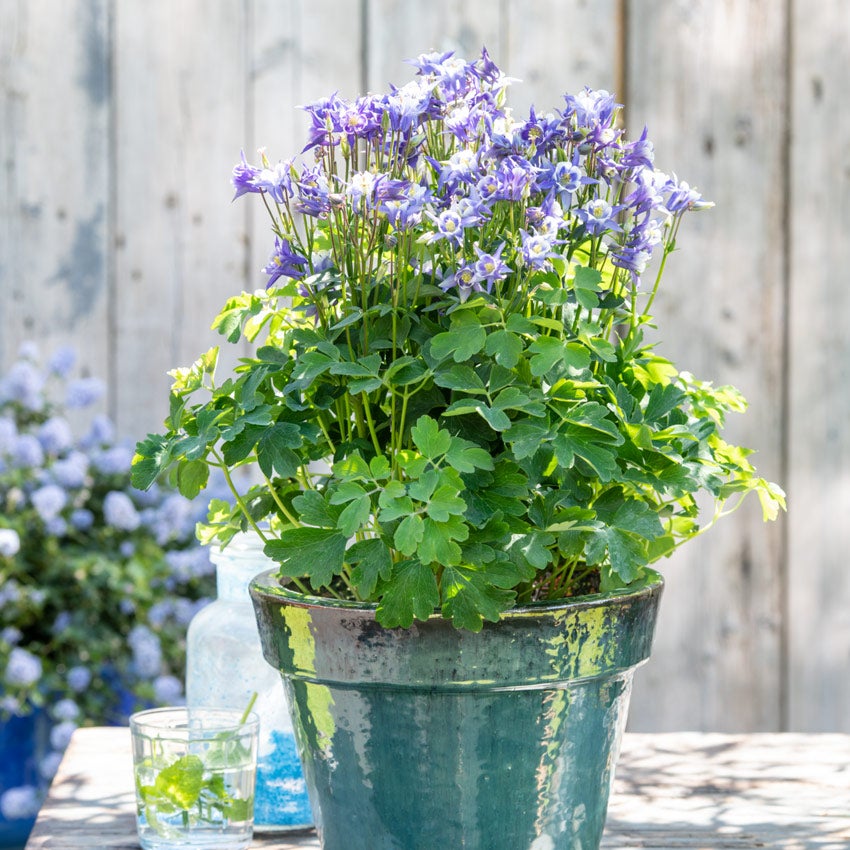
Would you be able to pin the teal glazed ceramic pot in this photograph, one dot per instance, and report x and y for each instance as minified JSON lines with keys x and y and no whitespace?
{"x":431,"y":737}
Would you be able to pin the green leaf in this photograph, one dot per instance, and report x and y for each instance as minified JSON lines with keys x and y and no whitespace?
{"x":464,"y":456}
{"x":405,"y":370}
{"x":573,"y":442}
{"x":153,"y":455}
{"x":192,"y":477}
{"x":506,"y":346}
{"x":181,"y":782}
{"x":548,"y":351}
{"x":354,"y":516}
{"x":469,"y":599}
{"x":439,"y":541}
{"x":498,"y":420}
{"x":461,"y":345}
{"x":576,"y":356}
{"x":370,"y":560}
{"x":409,"y":534}
{"x":534,"y":548}
{"x":411,"y":593}
{"x":429,"y":438}
{"x":587,"y":278}
{"x":365,"y":367}
{"x":242,"y":444}
{"x":308,"y":367}
{"x":315,"y":509}
{"x":639,"y":518}
{"x":444,"y":503}
{"x":626,"y":554}
{"x":317,"y":553}
{"x":526,"y":438}
{"x":459,"y":377}
{"x":274,"y":449}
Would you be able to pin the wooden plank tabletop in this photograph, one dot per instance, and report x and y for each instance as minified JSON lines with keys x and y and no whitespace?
{"x":679,"y":791}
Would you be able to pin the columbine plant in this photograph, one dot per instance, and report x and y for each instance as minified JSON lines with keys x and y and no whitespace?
{"x":452,"y":405}
{"x":97,"y":580}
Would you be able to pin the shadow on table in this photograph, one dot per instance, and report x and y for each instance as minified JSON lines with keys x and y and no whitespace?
{"x":107,"y":822}
{"x":729,"y":794}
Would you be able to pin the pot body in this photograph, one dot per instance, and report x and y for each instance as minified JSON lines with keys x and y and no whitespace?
{"x":433,"y":737}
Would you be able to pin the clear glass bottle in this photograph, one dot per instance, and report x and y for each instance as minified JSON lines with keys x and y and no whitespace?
{"x":225,"y":666}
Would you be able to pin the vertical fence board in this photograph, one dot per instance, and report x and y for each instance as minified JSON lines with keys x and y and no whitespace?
{"x":560,"y":46}
{"x":819,"y":371}
{"x":54,"y":85}
{"x":708,"y":80}
{"x":292,"y":62}
{"x":180,"y":115}
{"x":402,"y":29}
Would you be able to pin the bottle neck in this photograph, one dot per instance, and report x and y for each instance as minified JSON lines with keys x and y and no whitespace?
{"x":236,"y":566}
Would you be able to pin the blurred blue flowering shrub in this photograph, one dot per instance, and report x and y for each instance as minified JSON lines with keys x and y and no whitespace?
{"x":98,"y":581}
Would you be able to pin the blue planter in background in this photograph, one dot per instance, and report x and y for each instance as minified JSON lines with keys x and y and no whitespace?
{"x":23,"y":742}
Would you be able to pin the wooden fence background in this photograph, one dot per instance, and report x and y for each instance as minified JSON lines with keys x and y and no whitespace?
{"x":121,"y":120}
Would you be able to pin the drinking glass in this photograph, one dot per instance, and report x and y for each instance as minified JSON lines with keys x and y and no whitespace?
{"x":195,"y":771}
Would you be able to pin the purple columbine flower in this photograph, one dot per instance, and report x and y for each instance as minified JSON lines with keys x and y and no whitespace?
{"x":464,"y":280}
{"x":277,"y":181}
{"x":244,"y":177}
{"x":590,"y":108}
{"x":430,"y":63}
{"x":599,"y":216}
{"x":325,"y":123}
{"x":284,"y":262}
{"x":449,"y":226}
{"x":517,"y":178}
{"x":408,"y":106}
{"x":639,"y":153}
{"x":536,"y":250}
{"x":490,"y":268}
{"x":682,"y":197}
{"x":313,"y":193}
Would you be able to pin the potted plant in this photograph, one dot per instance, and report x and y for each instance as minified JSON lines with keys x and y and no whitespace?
{"x":468,"y":453}
{"x":97,"y":580}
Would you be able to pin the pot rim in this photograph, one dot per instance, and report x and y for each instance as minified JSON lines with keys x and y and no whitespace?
{"x":268,"y":583}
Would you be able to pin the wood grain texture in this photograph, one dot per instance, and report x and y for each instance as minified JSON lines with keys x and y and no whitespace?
{"x":819,"y":370}
{"x":702,"y":792}
{"x":402,"y":29}
{"x":708,"y":80}
{"x":180,"y":122}
{"x":559,"y":46}
{"x":54,"y":192}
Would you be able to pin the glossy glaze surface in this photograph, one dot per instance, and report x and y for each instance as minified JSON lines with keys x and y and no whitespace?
{"x":431,"y":737}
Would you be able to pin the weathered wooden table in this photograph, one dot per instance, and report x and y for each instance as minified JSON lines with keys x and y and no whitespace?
{"x":673,"y":791}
